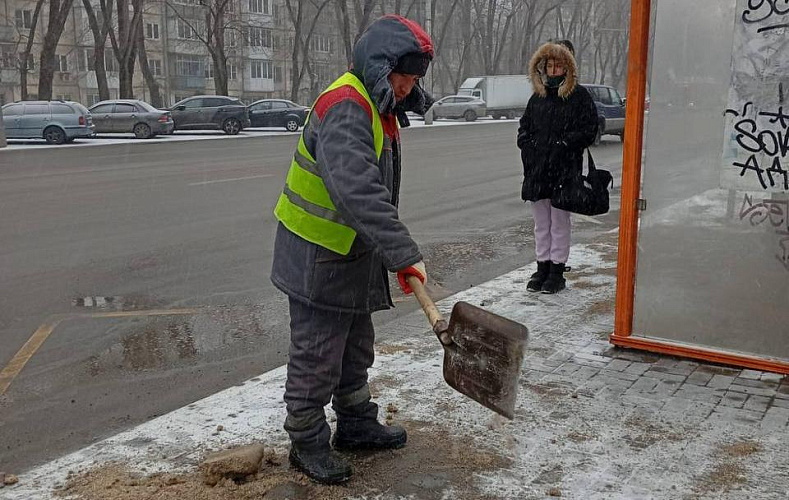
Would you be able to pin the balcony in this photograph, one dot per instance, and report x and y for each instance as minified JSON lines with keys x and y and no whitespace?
{"x":7,"y":33}
{"x":189,"y":82}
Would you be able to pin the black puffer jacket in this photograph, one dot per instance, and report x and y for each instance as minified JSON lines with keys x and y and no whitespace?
{"x":559,"y":123}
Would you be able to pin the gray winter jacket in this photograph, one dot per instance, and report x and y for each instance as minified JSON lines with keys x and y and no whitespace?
{"x":364,"y":189}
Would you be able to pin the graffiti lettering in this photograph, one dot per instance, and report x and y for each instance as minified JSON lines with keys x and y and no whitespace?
{"x":776,"y":214}
{"x":767,"y":146}
{"x":761,"y":10}
{"x":776,"y":211}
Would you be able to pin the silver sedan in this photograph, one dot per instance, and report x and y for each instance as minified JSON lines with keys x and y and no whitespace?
{"x":460,"y":106}
{"x":131,"y":115}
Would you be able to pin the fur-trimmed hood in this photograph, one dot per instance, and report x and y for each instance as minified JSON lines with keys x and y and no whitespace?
{"x":537,"y":69}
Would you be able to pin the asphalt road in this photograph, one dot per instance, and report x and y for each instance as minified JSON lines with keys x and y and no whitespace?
{"x":144,"y":267}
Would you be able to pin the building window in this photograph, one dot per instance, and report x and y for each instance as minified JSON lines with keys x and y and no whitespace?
{"x":155,"y":65}
{"x":24,"y":19}
{"x":209,"y":68}
{"x":277,"y":15}
{"x":260,"y":69}
{"x":110,"y":63}
{"x":258,"y":6}
{"x":63,"y":97}
{"x":187,"y":31}
{"x":151,"y":31}
{"x":321,"y":43}
{"x":8,"y":61}
{"x":62,"y":63}
{"x":259,"y":37}
{"x":231,"y":38}
{"x":188,"y":65}
{"x":231,"y":71}
{"x":277,"y":74}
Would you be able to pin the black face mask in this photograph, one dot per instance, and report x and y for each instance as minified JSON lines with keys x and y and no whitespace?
{"x":555,"y":81}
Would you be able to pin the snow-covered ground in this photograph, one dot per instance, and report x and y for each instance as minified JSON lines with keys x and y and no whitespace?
{"x":591,"y":422}
{"x":201,"y":135}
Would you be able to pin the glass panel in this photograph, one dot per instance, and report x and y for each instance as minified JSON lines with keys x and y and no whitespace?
{"x":125,"y":108}
{"x":713,"y":259}
{"x":36,"y":109}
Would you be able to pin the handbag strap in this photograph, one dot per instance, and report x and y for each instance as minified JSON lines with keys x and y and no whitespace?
{"x":592,"y":167}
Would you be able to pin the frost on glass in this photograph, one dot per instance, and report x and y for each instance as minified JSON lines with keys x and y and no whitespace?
{"x":713,"y":258}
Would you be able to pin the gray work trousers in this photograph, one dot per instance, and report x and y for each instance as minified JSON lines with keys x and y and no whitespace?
{"x":330,"y":353}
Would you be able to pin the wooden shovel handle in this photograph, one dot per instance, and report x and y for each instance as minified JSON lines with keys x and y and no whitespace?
{"x":440,"y":326}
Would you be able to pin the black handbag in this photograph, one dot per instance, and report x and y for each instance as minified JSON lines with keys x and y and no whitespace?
{"x":584,"y":194}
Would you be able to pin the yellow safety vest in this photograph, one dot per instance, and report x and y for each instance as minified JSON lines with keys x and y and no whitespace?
{"x":305,"y":207}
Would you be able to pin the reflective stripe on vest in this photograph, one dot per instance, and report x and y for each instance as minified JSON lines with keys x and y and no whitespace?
{"x":305,"y":207}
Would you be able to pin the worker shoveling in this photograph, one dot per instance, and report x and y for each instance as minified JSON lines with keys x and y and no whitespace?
{"x":483,"y":351}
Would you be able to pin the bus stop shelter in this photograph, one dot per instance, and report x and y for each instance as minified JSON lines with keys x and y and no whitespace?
{"x":710,"y":149}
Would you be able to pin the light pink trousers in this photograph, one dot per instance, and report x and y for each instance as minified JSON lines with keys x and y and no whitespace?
{"x":551,"y":232}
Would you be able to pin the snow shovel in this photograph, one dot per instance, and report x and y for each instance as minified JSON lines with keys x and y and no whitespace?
{"x":483,"y":351}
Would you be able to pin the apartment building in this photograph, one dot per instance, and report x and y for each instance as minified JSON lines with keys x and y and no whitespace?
{"x":258,"y":43}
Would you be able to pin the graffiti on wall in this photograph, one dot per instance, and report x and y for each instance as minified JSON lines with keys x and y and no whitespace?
{"x":773,"y":214}
{"x":756,"y":138}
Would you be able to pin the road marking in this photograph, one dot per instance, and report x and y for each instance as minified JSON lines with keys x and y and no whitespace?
{"x":231,"y":180}
{"x":24,"y":354}
{"x":152,"y":312}
{"x":43,"y":332}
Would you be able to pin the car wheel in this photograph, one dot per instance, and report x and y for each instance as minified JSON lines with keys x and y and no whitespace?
{"x":470,"y":115}
{"x":142,"y":131}
{"x":54,"y":135}
{"x":292,"y":125}
{"x":231,"y":126}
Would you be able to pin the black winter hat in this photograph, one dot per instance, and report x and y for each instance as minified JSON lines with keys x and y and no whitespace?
{"x":414,"y":63}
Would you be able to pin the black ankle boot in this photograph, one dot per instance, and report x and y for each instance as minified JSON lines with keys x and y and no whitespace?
{"x":555,"y":282}
{"x":538,"y":278}
{"x":321,"y":464}
{"x":360,"y":434}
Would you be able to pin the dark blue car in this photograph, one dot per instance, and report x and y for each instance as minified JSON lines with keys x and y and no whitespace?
{"x":610,"y":110}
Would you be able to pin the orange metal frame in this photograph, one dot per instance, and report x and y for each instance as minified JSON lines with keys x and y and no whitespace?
{"x":638,"y":60}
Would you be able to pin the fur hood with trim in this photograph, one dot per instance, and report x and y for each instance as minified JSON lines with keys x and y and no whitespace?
{"x":538,"y":74}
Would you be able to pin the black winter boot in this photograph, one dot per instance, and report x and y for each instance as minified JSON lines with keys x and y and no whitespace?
{"x":321,"y":464}
{"x":538,"y":278}
{"x":555,"y":282}
{"x":367,"y":434}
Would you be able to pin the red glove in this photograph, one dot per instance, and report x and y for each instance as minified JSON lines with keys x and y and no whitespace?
{"x":417,"y":270}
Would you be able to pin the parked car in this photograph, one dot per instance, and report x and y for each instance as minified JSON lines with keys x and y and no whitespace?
{"x":130,"y":115}
{"x":210,"y":112}
{"x":55,"y":121}
{"x":459,"y":106}
{"x":278,"y":113}
{"x":610,"y":110}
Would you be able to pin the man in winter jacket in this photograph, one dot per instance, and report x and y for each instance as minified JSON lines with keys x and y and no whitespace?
{"x":339,"y":234}
{"x":560,"y":121}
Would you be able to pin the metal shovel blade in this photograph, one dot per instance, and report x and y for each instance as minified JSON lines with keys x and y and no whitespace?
{"x":485,"y":357}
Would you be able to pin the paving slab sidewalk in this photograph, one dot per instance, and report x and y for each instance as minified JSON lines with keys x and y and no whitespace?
{"x":592,"y":421}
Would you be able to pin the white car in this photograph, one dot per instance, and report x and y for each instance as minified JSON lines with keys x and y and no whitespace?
{"x":459,"y":106}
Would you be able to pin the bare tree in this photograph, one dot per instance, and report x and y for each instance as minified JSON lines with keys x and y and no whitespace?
{"x":217,"y":22}
{"x":59,"y":11}
{"x":150,"y":78}
{"x":24,"y":56}
{"x":99,"y":32}
{"x":300,"y":56}
{"x":124,"y":39}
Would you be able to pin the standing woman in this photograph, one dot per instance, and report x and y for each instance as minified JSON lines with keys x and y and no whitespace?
{"x":559,"y":123}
